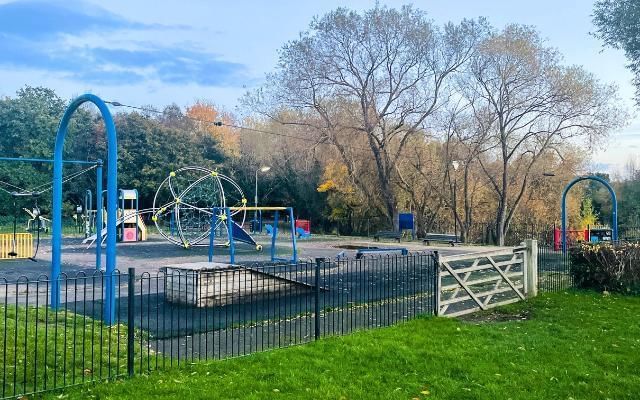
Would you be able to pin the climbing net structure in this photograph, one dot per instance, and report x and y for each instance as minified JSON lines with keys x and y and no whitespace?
{"x":184,"y":202}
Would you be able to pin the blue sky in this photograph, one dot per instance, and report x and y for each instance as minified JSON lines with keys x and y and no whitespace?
{"x":147,"y":52}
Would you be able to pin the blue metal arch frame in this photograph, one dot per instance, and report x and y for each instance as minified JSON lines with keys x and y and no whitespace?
{"x":112,"y":204}
{"x":614,"y":201}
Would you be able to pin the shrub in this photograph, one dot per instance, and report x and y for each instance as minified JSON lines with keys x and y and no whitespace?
{"x":605,"y":266}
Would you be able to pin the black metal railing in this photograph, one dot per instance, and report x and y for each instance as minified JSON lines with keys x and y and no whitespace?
{"x":183,"y":315}
{"x":554,"y":269}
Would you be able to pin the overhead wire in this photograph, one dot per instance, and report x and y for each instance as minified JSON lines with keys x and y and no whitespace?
{"x":35,"y":191}
{"x":65,"y":180}
{"x":257,"y":130}
{"x":11,"y":185}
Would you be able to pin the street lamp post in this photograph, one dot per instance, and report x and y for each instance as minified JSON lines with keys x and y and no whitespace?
{"x":455,"y":165}
{"x":255,"y":213}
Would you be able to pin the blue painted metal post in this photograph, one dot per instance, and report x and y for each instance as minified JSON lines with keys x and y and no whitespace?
{"x":232,"y":244}
{"x":99,"y":215}
{"x":274,"y":235}
{"x":294,"y":259}
{"x":112,"y":198}
{"x":614,"y":215}
{"x":212,"y":232}
{"x":563,"y":238}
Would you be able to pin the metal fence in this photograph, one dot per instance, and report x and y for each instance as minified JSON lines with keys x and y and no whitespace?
{"x":554,"y":269}
{"x":206,"y":312}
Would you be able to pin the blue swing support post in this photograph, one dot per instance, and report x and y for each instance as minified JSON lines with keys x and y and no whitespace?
{"x":274,"y":235}
{"x":99,"y":215}
{"x":224,"y":213}
{"x":112,"y":205}
{"x":614,"y":212}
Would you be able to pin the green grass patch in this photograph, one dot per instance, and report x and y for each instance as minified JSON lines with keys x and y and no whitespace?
{"x":42,"y":349}
{"x":573,"y":345}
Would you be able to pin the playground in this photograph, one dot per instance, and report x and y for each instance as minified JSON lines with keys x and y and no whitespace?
{"x":155,"y":253}
{"x":202,"y":273}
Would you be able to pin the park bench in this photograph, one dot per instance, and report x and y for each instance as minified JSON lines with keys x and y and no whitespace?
{"x":387,"y":235}
{"x":441,"y":237}
{"x":362,"y":252}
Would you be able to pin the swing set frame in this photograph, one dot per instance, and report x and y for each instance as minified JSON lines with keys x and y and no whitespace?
{"x":13,"y":254}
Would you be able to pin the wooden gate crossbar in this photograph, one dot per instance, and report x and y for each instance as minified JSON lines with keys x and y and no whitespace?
{"x":462,"y":288}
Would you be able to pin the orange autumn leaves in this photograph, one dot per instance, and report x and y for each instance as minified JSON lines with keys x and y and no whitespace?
{"x":229,"y":138}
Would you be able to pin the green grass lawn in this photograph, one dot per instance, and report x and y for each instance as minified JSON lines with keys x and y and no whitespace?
{"x":41,"y":349}
{"x":572,"y":345}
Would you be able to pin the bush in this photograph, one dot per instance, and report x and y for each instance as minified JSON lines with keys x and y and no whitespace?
{"x":605,"y":266}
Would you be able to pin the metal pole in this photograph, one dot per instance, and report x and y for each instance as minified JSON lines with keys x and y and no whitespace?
{"x":437,"y":283}
{"x":88,"y":203}
{"x":212,"y":233}
{"x":455,"y":211}
{"x":232,"y":244}
{"x":56,"y":225}
{"x":255,"y":201}
{"x":563,"y":234}
{"x":274,"y":235}
{"x":317,"y":299}
{"x":121,"y":197}
{"x":99,"y":215}
{"x":137,"y":213}
{"x":130,"y":321}
{"x":293,"y":236}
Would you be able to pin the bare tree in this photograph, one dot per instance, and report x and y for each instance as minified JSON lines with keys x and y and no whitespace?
{"x":529,"y":104}
{"x":379,"y":75}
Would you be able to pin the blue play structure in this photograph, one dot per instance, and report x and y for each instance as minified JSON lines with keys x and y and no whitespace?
{"x":302,"y":234}
{"x":235,"y":233}
{"x":240,"y":235}
{"x":112,"y":205}
{"x":614,"y":212}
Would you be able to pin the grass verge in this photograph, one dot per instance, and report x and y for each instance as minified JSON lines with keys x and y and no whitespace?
{"x":573,"y":345}
{"x":42,"y":349}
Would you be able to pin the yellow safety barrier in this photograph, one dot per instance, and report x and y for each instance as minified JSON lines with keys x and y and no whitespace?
{"x":23,"y":245}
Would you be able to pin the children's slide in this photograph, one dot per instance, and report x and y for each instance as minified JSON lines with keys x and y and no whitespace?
{"x":141,"y":226}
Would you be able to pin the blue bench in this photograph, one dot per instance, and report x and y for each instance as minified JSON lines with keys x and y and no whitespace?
{"x":362,"y":252}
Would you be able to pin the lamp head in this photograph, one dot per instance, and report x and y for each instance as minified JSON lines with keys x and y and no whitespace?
{"x":264,"y":169}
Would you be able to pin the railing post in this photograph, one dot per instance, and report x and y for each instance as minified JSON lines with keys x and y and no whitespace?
{"x":531,"y":267}
{"x":316,"y":306}
{"x":130,"y":321}
{"x":437,"y":283}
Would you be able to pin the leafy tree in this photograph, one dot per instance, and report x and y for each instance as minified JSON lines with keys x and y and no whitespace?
{"x":377,"y":77}
{"x":617,"y":25}
{"x":28,"y":126}
{"x":527,"y":104}
{"x":226,"y":137}
{"x":588,"y":216}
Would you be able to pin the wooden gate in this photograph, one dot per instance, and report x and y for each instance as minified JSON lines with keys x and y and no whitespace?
{"x":479,"y":281}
